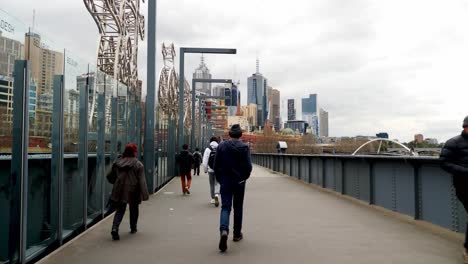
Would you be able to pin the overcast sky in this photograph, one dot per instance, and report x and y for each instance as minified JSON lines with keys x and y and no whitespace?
{"x":397,"y":66}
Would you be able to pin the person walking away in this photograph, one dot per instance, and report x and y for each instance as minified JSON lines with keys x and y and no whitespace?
{"x":185,"y":162}
{"x":197,"y":157}
{"x":454,"y":157}
{"x":232,"y":169}
{"x":129,"y":187}
{"x":208,"y":164}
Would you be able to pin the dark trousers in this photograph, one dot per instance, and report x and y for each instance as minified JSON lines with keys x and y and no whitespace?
{"x":120,"y":212}
{"x":462,"y":195}
{"x":196,"y":170}
{"x":232,"y":195}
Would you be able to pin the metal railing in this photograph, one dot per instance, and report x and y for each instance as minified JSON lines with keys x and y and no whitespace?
{"x":413,"y":186}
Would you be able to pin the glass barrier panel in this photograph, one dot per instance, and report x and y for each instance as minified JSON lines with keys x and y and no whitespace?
{"x":12,"y":48}
{"x":75,"y":81}
{"x":111,"y":142}
{"x":111,"y":91}
{"x":95,"y":78}
{"x":46,"y":61}
{"x":122,"y":93}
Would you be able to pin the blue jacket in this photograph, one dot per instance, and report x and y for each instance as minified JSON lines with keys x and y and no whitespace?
{"x":232,"y":162}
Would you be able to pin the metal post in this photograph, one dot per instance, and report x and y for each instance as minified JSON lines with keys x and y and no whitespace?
{"x":57,"y":153}
{"x":138,"y":135}
{"x":132,"y":121}
{"x":125,"y":138}
{"x":180,"y":130}
{"x":101,"y":131}
{"x":417,"y":192}
{"x":149,"y":155}
{"x":192,"y":132}
{"x":200,"y":109}
{"x":19,"y":164}
{"x":113,"y":140}
{"x":83,"y":145}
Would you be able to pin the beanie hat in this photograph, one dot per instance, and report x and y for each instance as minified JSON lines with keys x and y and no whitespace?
{"x":465,"y":122}
{"x":235,"y":131}
{"x":130,"y":150}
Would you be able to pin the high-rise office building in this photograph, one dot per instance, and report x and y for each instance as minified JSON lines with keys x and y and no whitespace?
{"x":291,"y":110}
{"x":257,"y":93}
{"x":218,"y":90}
{"x":232,"y":101}
{"x":10,"y":51}
{"x":202,"y":72}
{"x":310,"y":114}
{"x":45,"y":64}
{"x":250,"y":112}
{"x":323,"y":123}
{"x":275,"y":109}
{"x":309,"y":105}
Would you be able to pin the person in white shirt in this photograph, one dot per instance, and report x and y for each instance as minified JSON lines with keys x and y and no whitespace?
{"x":208,"y":161}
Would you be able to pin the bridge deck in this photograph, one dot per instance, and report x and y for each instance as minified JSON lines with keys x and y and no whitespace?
{"x":285,"y":222}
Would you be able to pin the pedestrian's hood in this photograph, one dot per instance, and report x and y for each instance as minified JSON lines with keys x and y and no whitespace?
{"x":214,"y":144}
{"x":126,"y":162}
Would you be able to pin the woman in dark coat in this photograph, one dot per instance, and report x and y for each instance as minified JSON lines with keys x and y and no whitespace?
{"x":129,"y":181}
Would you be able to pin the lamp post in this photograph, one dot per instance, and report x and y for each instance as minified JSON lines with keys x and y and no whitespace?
{"x":194,"y":82}
{"x":149,"y":155}
{"x":183,"y":50}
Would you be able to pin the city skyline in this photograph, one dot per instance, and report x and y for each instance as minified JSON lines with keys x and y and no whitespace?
{"x":353,"y":58}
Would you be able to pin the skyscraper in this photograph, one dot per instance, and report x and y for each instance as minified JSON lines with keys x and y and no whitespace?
{"x":323,"y":123}
{"x":309,"y":112}
{"x":291,"y":110}
{"x":202,"y":72}
{"x":45,"y":64}
{"x":10,"y":50}
{"x":309,"y":105}
{"x":257,"y":93}
{"x":275,"y":109}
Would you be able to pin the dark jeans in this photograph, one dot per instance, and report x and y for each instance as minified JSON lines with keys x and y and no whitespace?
{"x":120,"y":212}
{"x":232,"y":195}
{"x":462,"y":195}
{"x":196,"y":170}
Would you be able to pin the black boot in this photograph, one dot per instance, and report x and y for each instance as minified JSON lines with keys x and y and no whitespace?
{"x":223,"y":241}
{"x":115,"y":235}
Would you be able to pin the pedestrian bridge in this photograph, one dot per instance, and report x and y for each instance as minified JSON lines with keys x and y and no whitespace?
{"x":286,"y":220}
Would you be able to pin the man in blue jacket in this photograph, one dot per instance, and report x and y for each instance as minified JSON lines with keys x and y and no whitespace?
{"x":454,"y":159}
{"x":232,"y":168}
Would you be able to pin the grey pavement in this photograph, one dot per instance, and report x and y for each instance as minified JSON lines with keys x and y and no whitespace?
{"x":285,"y":221}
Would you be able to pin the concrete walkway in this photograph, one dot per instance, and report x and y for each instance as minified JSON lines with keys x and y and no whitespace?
{"x":285,"y":221}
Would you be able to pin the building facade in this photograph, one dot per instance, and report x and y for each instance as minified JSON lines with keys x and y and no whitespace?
{"x":309,"y":105}
{"x":297,"y":125}
{"x":257,"y":93}
{"x":10,"y":51}
{"x":291,"y":110}
{"x":241,"y":120}
{"x":323,"y":123}
{"x":275,"y":109}
{"x":419,"y":138}
{"x":250,"y":112}
{"x":202,"y":72}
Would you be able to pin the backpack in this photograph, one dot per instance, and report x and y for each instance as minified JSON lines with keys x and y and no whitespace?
{"x":211,"y":158}
{"x":197,"y":157}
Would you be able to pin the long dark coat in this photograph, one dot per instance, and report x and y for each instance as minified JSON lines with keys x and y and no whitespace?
{"x":129,"y":181}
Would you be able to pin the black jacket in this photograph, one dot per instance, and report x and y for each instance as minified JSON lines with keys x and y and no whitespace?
{"x":185,"y":161}
{"x":232,"y":162}
{"x":454,"y":159}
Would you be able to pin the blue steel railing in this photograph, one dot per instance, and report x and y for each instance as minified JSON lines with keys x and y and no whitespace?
{"x":413,"y":186}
